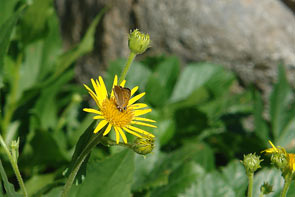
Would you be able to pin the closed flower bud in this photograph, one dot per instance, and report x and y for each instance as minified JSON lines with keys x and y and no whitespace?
{"x":280,"y":161}
{"x":144,"y":145}
{"x":251,"y":162}
{"x":138,"y":42}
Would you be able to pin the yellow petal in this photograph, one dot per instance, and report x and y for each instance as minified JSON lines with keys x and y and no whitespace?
{"x":117,"y":136}
{"x":141,"y":112}
{"x":138,"y":106}
{"x":95,"y":87}
{"x":134,"y":90}
{"x":122,"y":134}
{"x":100,"y":125}
{"x":123,"y":83}
{"x":136,"y":98}
{"x":114,"y":84}
{"x":144,"y":119}
{"x":140,"y":130}
{"x":90,"y":110}
{"x":103,"y":88}
{"x":98,"y":117}
{"x":143,"y":124}
{"x":92,"y":94}
{"x":108,"y":129}
{"x":132,"y":132}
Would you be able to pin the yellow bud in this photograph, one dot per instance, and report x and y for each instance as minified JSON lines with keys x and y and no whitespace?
{"x":138,"y":42}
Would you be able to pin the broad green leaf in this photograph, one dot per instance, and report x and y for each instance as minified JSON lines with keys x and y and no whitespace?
{"x":34,"y":22}
{"x":271,"y":176}
{"x":5,"y":34}
{"x":46,"y":108}
{"x":38,"y":181}
{"x":9,"y":188}
{"x":45,"y":149}
{"x":234,"y":175}
{"x":212,"y":185}
{"x":193,"y":77}
{"x":279,"y":104}
{"x":6,"y":9}
{"x":110,"y":177}
{"x":168,"y":163}
{"x":160,"y":84}
{"x":180,"y":180}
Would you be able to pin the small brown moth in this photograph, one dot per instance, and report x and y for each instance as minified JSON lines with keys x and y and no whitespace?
{"x":122,"y":97}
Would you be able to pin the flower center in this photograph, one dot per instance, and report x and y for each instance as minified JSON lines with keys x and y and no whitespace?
{"x":113,"y":115}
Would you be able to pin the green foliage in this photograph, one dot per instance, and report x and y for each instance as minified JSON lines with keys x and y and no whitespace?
{"x":206,"y":121}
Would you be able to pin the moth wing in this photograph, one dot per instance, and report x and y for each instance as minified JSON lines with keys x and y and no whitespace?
{"x":118,"y":95}
{"x":126,"y":96}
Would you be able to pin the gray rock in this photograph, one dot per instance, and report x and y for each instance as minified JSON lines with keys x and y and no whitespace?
{"x":249,"y":37}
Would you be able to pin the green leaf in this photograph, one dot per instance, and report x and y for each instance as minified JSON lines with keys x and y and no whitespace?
{"x":181,"y":179}
{"x":5,"y":33}
{"x":38,"y":181}
{"x":234,"y":176}
{"x":271,"y":176}
{"x":160,"y":84}
{"x":261,"y":129}
{"x":9,"y":188}
{"x":110,"y":177}
{"x":86,"y":45}
{"x":168,"y":163}
{"x":279,"y":104}
{"x":193,"y":77}
{"x":34,"y":22}
{"x":212,"y":185}
{"x":82,"y":142}
{"x":45,"y":149}
{"x":7,"y":9}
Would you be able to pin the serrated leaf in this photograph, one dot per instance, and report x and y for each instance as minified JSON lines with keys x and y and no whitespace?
{"x":110,"y":177}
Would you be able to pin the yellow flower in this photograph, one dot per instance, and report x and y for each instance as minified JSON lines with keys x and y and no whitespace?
{"x":121,"y":120}
{"x":281,"y":154}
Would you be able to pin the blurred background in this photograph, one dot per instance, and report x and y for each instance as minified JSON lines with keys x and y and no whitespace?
{"x":219,"y":77}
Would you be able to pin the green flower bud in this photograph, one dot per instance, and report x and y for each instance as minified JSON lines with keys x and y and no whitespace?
{"x":138,"y":42}
{"x":144,"y":145}
{"x":251,"y":162}
{"x":280,"y":161}
{"x":266,"y":188}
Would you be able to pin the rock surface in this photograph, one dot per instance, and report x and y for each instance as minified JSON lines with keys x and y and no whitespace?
{"x":249,"y":37}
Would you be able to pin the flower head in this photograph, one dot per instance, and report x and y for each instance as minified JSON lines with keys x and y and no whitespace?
{"x":138,"y":42}
{"x":111,"y":116}
{"x":251,"y":162}
{"x":282,"y":159}
{"x":144,"y":145}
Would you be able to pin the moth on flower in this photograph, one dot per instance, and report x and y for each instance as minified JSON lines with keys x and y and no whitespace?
{"x":119,"y":110}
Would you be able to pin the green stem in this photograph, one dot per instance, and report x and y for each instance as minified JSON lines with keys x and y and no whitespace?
{"x":80,"y":159}
{"x":288,"y":180}
{"x":127,"y":66}
{"x":14,"y":165}
{"x":261,"y":194}
{"x":250,"y":184}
